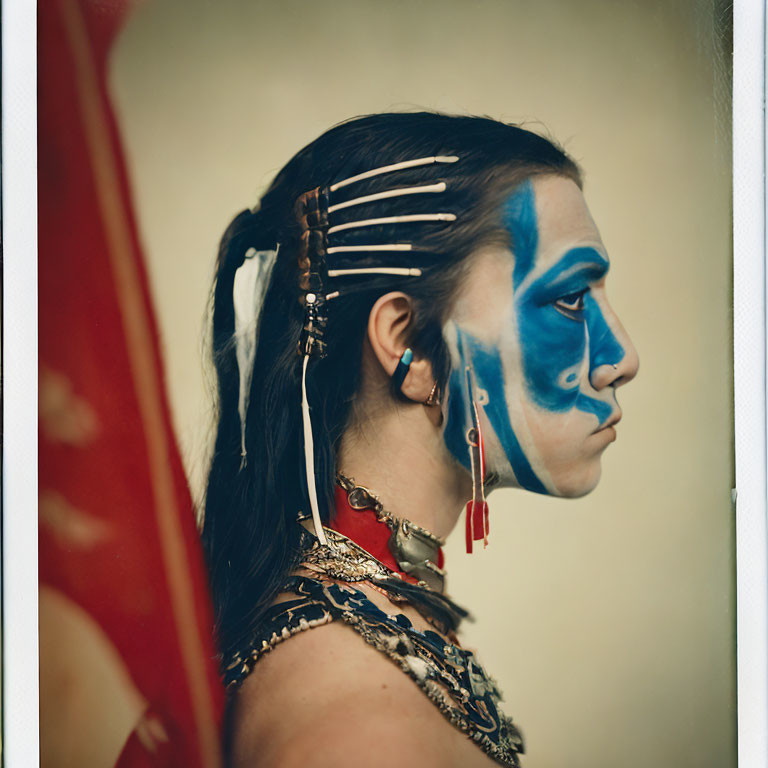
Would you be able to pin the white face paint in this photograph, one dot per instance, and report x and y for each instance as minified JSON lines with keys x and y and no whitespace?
{"x":545,"y":349}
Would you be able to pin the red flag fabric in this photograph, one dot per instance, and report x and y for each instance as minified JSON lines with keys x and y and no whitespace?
{"x":128,"y":674}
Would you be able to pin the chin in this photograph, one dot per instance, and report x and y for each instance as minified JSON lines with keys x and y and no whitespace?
{"x":571,"y":483}
{"x":574,"y":483}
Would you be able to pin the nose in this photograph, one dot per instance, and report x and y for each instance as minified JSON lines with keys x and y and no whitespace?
{"x":613,"y":358}
{"x":616,"y":374}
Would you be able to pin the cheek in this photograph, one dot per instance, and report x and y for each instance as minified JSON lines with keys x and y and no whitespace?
{"x":486,"y":364}
{"x":553,"y":351}
{"x":563,"y":446}
{"x":555,"y":433}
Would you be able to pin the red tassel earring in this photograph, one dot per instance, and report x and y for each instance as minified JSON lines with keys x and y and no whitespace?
{"x":477,"y":523}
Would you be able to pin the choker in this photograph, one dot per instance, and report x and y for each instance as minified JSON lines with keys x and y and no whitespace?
{"x":415,"y":550}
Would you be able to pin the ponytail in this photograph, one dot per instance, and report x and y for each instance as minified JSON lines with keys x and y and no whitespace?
{"x":232,"y":531}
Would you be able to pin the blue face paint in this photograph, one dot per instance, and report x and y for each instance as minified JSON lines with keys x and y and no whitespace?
{"x":489,"y":372}
{"x":456,"y":425}
{"x":519,"y":217}
{"x":554,"y":344}
{"x":562,"y":335}
{"x":485,"y":362}
{"x":604,"y":349}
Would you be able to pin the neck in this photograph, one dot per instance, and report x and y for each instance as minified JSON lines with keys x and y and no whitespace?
{"x":398,"y":453}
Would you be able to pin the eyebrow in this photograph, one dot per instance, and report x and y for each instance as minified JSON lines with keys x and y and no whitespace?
{"x":590,"y":272}
{"x":572,"y":269}
{"x":581,"y":262}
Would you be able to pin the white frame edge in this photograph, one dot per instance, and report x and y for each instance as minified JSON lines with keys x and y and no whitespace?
{"x":749,"y":322}
{"x":19,"y":480}
{"x":19,"y":535}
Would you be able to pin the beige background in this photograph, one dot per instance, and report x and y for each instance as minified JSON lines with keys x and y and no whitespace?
{"x":608,"y":621}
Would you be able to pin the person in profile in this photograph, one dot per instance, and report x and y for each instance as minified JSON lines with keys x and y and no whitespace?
{"x":414,"y":315}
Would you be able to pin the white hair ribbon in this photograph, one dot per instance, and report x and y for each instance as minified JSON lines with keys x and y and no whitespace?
{"x":250,"y":288}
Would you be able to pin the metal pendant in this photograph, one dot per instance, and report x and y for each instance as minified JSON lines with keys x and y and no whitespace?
{"x":415,"y":554}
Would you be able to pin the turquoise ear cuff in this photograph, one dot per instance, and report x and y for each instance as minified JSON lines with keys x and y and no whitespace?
{"x":398,"y":377}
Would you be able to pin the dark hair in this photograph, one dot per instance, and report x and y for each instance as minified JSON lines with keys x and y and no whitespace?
{"x":250,"y":533}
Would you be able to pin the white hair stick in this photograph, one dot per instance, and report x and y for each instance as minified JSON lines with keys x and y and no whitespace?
{"x":394,"y":167}
{"x":358,"y":248}
{"x":404,"y":271}
{"x":393,"y":220}
{"x":440,"y":187}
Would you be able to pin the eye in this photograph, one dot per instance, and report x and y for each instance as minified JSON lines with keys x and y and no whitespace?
{"x":571,"y":305}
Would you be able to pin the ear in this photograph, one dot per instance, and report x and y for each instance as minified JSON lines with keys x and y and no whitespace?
{"x":387,"y":325}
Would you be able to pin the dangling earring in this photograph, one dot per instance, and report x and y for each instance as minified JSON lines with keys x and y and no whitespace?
{"x":398,"y":377}
{"x":477,"y":522}
{"x":434,"y":397}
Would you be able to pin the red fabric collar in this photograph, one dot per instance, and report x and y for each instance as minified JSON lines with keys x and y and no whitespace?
{"x":364,"y":529}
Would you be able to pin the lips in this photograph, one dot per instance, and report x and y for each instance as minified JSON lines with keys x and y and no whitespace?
{"x":611,"y":421}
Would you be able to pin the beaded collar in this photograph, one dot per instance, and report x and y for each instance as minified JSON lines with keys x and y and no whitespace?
{"x":448,"y":674}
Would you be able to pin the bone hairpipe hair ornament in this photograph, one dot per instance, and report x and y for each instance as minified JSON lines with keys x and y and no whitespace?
{"x":313,"y":211}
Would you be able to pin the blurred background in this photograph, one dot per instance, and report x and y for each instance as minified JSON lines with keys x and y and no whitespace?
{"x":608,"y":621}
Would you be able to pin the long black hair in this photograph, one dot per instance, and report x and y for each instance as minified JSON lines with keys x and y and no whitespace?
{"x":250,"y":533}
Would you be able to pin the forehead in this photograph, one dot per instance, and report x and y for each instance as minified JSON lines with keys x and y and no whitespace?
{"x":546,"y":217}
{"x":552,"y":232}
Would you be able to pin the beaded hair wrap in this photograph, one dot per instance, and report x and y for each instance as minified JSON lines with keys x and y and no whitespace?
{"x":314,"y":211}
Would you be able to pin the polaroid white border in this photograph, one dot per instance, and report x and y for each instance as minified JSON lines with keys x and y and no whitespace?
{"x":20,"y":706}
{"x":749,"y":323}
{"x":19,"y":533}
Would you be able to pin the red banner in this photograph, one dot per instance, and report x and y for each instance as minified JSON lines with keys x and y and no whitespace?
{"x":127,"y":656}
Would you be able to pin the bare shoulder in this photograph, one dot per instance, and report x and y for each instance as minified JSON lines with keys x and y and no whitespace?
{"x":325,"y":697}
